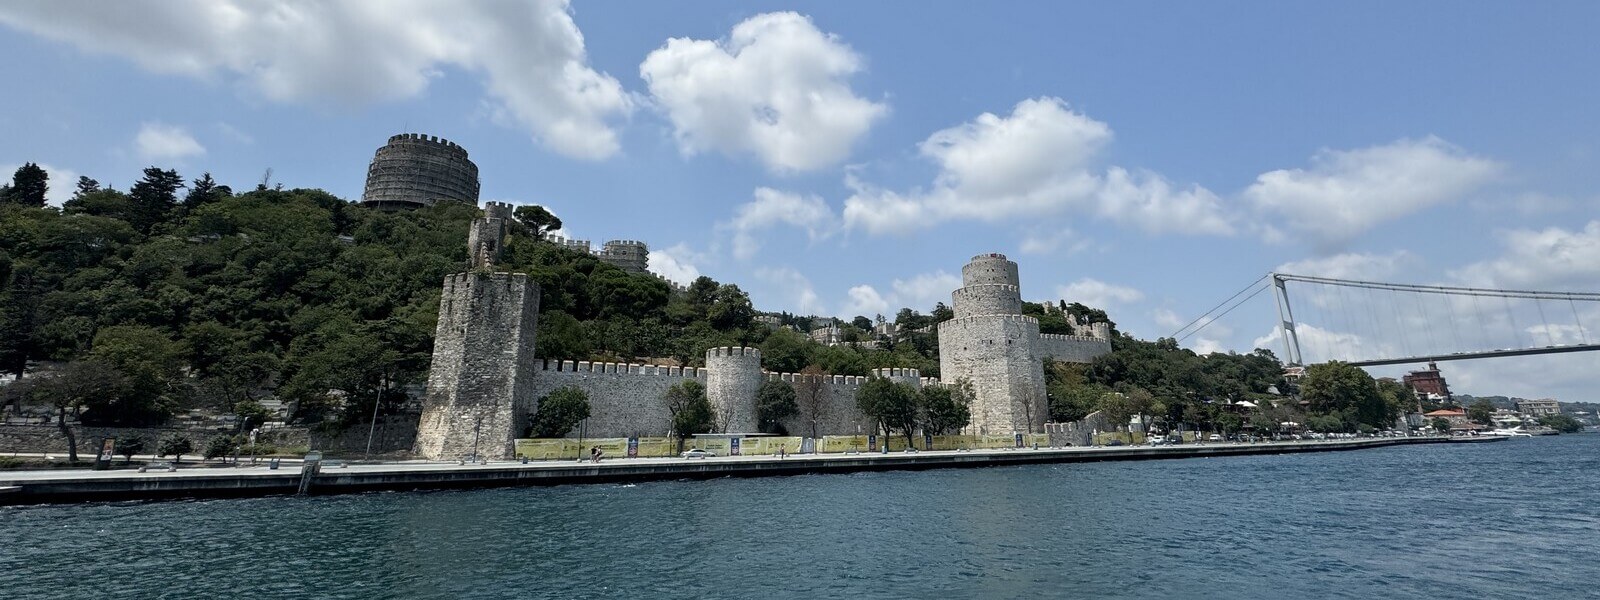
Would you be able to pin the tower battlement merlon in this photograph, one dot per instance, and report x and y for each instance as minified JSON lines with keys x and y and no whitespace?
{"x":498,"y":210}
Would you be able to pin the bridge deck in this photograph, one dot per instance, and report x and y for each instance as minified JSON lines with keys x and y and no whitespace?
{"x":1472,"y":355}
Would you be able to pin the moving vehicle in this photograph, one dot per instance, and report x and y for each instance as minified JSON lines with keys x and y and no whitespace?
{"x":698,"y":453}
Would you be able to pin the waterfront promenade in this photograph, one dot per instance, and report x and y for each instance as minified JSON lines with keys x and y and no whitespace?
{"x":335,"y":477}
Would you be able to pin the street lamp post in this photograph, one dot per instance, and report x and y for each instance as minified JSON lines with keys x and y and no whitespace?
{"x":373,"y":429}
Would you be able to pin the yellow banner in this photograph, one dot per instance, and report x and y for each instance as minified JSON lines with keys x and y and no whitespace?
{"x":770,"y":445}
{"x":843,"y":443}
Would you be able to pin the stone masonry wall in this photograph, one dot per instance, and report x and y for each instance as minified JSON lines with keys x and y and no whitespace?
{"x":1072,"y":348}
{"x":996,"y":354}
{"x":483,"y":367}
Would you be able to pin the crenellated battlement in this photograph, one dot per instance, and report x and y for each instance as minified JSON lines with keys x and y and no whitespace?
{"x":991,"y":318}
{"x":1069,"y":338}
{"x":588,"y":367}
{"x":497,"y":210}
{"x":833,"y":380}
{"x":897,"y":373}
{"x":745,"y":351}
{"x":425,"y":139}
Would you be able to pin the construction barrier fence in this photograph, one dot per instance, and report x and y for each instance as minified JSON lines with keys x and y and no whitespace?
{"x":657,"y":447}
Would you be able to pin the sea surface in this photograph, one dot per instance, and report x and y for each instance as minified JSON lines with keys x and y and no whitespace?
{"x":1517,"y":519}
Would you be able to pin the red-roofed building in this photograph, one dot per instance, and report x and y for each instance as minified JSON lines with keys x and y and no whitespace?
{"x":1456,"y":417}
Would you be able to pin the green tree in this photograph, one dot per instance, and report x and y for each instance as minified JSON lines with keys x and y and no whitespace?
{"x":152,"y":364}
{"x":28,"y":186}
{"x":1441,"y":424}
{"x":811,"y":397}
{"x":538,"y":220}
{"x":1561,"y":423}
{"x":219,"y":446}
{"x":689,"y":409}
{"x":786,"y":351}
{"x":85,"y":186}
{"x":893,"y":405}
{"x":730,"y":308}
{"x":174,"y":444}
{"x":1481,"y":411}
{"x":130,"y":446}
{"x":203,"y":191}
{"x":153,"y":197}
{"x":945,"y":409}
{"x":559,"y":412}
{"x":775,"y":402}
{"x":1335,"y":387}
{"x":68,"y":388}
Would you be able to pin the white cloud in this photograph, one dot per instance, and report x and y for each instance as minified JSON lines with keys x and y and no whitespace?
{"x":675,"y":263}
{"x":1098,"y":294}
{"x":159,"y":142}
{"x":1203,"y":346}
{"x":776,"y":88}
{"x":1037,"y":161}
{"x":772,"y":207}
{"x":919,"y":293}
{"x":235,"y":134}
{"x":865,"y":300}
{"x":530,"y":55}
{"x":923,"y":291}
{"x":1346,"y":192}
{"x":59,"y":186}
{"x":1551,"y":258}
{"x":1168,"y":319}
{"x":788,"y":290}
{"x":1353,"y":265}
{"x":1321,"y":345}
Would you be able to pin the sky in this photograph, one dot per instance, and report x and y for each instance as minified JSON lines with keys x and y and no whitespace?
{"x":1148,"y":158}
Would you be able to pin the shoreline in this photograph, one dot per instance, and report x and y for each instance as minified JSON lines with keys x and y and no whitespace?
{"x":63,"y":487}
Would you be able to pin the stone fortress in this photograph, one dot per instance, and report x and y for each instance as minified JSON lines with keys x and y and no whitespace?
{"x":415,"y":170}
{"x":485,"y":382}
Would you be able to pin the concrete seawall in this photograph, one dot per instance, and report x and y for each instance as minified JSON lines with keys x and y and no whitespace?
{"x":43,"y":487}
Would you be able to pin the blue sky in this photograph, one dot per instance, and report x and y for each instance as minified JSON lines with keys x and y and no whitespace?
{"x":1150,"y":158}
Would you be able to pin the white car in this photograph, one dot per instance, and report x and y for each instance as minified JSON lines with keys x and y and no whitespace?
{"x":1214,"y":437}
{"x":698,"y":453}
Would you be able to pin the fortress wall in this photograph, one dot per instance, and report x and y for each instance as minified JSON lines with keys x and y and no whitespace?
{"x":624,"y":400}
{"x":628,"y":400}
{"x":1072,"y":348}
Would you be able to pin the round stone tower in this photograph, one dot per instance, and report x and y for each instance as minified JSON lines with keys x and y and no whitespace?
{"x":992,"y":345}
{"x":415,"y":170}
{"x":731,"y":384}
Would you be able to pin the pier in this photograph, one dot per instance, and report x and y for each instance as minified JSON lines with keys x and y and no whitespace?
{"x":334,"y":477}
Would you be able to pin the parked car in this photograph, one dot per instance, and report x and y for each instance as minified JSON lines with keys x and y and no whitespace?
{"x":698,"y":453}
{"x":1214,"y":437}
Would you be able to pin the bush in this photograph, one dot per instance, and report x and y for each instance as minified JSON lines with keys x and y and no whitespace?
{"x":219,"y":446}
{"x":175,"y":445}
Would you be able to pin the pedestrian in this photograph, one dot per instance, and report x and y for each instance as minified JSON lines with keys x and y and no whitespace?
{"x":782,"y":453}
{"x":594,"y":454}
{"x":598,"y":454}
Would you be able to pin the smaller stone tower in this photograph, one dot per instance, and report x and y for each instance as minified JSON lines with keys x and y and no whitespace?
{"x":732,"y":381}
{"x":627,"y":255}
{"x":480,"y":382}
{"x":415,"y":171}
{"x":487,"y":237}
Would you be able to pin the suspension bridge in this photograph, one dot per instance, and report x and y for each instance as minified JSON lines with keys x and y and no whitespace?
{"x":1370,"y":323}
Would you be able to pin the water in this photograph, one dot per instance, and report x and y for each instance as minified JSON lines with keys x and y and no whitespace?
{"x":1514,"y":519}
